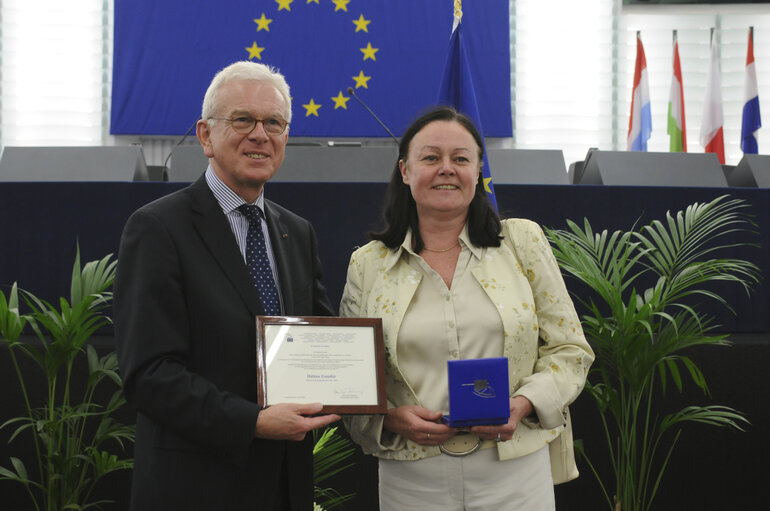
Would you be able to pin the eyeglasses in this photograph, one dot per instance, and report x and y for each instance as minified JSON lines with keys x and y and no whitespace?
{"x":245,"y":124}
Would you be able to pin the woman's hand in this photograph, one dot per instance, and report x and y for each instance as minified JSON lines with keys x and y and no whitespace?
{"x":418,"y":424}
{"x":520,"y":408}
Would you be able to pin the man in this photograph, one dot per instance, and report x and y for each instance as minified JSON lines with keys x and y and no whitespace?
{"x":185,"y":304}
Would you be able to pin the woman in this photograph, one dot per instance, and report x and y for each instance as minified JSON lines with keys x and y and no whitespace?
{"x":451,"y":281}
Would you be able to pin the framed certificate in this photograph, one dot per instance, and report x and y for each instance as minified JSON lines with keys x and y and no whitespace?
{"x":338,"y":362}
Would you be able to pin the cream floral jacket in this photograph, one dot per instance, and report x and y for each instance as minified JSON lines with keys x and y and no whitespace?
{"x":547,"y":353}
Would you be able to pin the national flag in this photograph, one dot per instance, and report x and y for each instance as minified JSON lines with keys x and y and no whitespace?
{"x":677,"y":130}
{"x":751,"y":119}
{"x":457,"y":90}
{"x":640,"y":122}
{"x":391,"y":53}
{"x":711,"y":134}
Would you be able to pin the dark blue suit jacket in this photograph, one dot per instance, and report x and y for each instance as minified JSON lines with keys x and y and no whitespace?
{"x":184,"y":308}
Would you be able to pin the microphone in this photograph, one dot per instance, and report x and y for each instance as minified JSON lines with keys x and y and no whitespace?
{"x":353,"y":93}
{"x":189,"y":130}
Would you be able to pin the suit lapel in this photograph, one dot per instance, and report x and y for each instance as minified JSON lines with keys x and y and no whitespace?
{"x":279,"y":239}
{"x":217,"y":235}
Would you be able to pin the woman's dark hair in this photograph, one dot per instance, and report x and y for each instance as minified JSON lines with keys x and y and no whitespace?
{"x":400,"y":210}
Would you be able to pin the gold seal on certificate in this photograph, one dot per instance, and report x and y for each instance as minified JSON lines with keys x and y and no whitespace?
{"x":338,"y":362}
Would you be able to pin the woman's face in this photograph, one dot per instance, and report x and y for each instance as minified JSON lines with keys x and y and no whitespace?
{"x":442,"y":168}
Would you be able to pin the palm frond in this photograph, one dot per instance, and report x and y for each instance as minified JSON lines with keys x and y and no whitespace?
{"x":714,"y":415}
{"x":11,"y":322}
{"x":330,"y":454}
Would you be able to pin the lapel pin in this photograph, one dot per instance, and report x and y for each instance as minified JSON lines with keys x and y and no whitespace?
{"x":284,"y":235}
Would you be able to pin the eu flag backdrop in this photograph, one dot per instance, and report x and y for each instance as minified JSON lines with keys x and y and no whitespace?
{"x":391,"y":52}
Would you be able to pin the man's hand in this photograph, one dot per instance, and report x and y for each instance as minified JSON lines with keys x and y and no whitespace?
{"x":287,"y":421}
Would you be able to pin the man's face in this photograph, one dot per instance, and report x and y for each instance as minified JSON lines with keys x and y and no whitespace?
{"x":244,"y":162}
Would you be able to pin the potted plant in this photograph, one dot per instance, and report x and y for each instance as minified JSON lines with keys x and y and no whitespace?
{"x":641,"y":336}
{"x":71,"y":434}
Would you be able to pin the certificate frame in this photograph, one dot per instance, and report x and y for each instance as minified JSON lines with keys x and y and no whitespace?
{"x":339,"y":362}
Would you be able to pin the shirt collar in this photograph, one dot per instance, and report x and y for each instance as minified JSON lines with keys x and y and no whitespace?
{"x":227,"y":198}
{"x":406,"y":247}
{"x":465,"y":239}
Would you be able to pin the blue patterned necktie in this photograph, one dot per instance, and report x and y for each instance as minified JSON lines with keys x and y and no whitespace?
{"x":258,"y":263}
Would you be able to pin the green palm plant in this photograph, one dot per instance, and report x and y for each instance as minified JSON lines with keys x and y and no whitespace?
{"x":330,"y":452}
{"x":641,"y":338}
{"x":70,"y":433}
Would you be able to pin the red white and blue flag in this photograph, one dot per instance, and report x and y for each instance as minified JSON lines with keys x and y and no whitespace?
{"x":640,"y":123}
{"x":751,"y":118}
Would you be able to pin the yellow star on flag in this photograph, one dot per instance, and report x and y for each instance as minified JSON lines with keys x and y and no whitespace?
{"x":487,"y":180}
{"x":361,"y":80}
{"x":311,"y":1}
{"x":341,"y":5}
{"x":263,"y":23}
{"x":312,"y":108}
{"x":255,"y":51}
{"x":284,"y":4}
{"x":362,"y":24}
{"x":369,"y":51}
{"x":340,"y":101}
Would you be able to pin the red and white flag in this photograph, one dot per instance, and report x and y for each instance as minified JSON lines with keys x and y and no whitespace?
{"x":711,"y":134}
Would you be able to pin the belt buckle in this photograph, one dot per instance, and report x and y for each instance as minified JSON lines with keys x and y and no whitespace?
{"x":461,"y":445}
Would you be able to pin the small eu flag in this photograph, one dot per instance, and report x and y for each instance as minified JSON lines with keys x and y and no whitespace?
{"x":457,"y":90}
